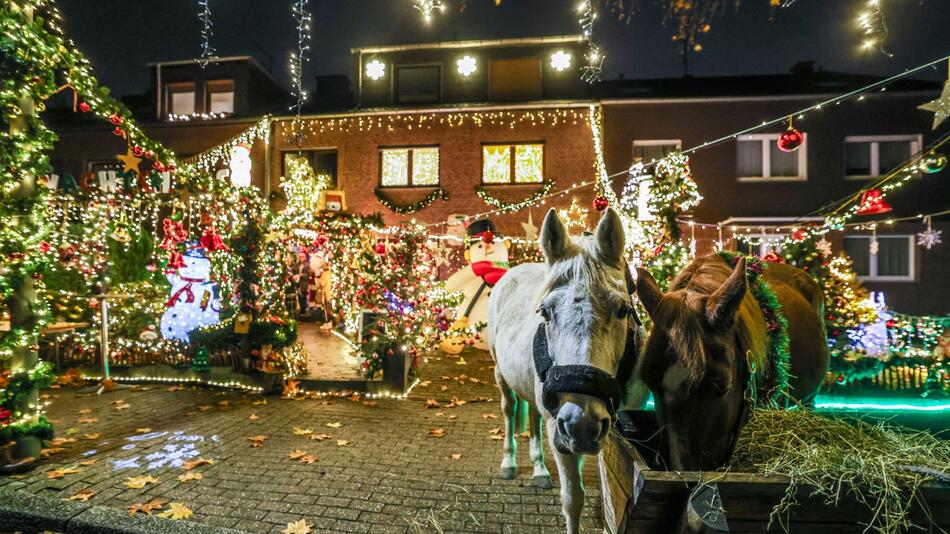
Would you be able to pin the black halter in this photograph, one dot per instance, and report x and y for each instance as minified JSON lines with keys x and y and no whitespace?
{"x":585,"y":379}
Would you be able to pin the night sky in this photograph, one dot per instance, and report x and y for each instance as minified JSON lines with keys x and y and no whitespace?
{"x":121,"y":36}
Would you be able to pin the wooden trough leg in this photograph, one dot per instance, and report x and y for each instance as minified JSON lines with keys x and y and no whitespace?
{"x":703,"y":512}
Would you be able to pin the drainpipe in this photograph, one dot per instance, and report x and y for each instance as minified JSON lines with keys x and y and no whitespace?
{"x":158,"y":91}
{"x":268,"y":150}
{"x":359,"y":81}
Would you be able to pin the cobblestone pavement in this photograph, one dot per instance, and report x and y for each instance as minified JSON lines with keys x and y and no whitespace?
{"x":380,"y":470}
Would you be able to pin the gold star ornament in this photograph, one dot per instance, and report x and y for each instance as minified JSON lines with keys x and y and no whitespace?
{"x":940,"y":107}
{"x":130,"y":162}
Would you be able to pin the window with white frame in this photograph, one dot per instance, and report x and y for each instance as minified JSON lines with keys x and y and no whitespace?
{"x":409,"y":167}
{"x":181,"y":98}
{"x":759,"y":158}
{"x":871,"y":156}
{"x":647,"y":150}
{"x":220,"y":96}
{"x":892,"y":262}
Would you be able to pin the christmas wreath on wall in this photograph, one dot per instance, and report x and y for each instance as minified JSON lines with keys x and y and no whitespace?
{"x":508,"y":207}
{"x":406,"y":209}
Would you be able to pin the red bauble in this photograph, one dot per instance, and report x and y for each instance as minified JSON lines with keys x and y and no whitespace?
{"x":84,"y":107}
{"x":601,"y":203}
{"x":157,"y":165}
{"x":137,"y":151}
{"x":790,"y":140}
{"x":873,"y":203}
{"x":488,"y":237}
{"x":115,"y":119}
{"x":799,"y":235}
{"x":118,"y":131}
{"x":380,"y":248}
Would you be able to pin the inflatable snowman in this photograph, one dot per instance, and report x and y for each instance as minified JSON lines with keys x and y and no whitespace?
{"x":487,"y":256}
{"x":194,"y":300}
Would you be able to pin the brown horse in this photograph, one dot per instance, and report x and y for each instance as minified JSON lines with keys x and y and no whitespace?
{"x":709,"y":336}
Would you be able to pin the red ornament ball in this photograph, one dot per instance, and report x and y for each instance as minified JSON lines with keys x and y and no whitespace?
{"x":118,"y":131}
{"x":84,"y":107}
{"x":799,"y":235}
{"x":601,"y":203}
{"x":137,"y":151}
{"x":380,"y":248}
{"x":790,"y":140}
{"x":115,"y":119}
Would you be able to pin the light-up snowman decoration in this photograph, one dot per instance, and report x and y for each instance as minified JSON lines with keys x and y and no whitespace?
{"x":194,"y":301}
{"x":487,"y":256}
{"x":239,"y":166}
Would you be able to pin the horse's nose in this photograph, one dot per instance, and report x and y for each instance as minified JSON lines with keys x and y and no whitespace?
{"x":581,"y":431}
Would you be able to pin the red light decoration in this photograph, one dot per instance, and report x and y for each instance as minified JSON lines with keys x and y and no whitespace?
{"x":873,"y":203}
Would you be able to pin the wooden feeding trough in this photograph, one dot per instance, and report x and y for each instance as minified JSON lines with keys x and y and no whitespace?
{"x":639,"y":498}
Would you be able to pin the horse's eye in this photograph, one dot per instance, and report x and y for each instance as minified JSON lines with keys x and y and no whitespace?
{"x":544,"y":313}
{"x":623,"y":311}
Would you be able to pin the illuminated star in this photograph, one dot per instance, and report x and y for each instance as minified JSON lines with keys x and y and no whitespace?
{"x":940,"y":107}
{"x":130,"y":162}
{"x":530,"y":230}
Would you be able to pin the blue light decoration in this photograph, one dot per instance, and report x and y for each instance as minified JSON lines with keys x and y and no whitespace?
{"x":194,"y":300}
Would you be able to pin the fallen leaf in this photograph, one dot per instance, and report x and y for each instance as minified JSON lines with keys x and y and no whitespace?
{"x":452,"y":417}
{"x":370,"y":404}
{"x":320,"y":437}
{"x":46,"y":453}
{"x":204,"y":407}
{"x":342,"y":443}
{"x":85,"y":411}
{"x":475,"y":380}
{"x":524,"y":435}
{"x":296,"y":454}
{"x":224,"y":403}
{"x":257,"y":441}
{"x":121,"y":407}
{"x":302,"y":431}
{"x":461,"y":378}
{"x":253,"y":417}
{"x":424,"y":383}
{"x":145,"y":508}
{"x":461,"y":361}
{"x":437,"y":432}
{"x":495,"y":431}
{"x":140,"y":482}
{"x":308,"y":459}
{"x":479,"y":399}
{"x":190,"y":475}
{"x":60,"y":473}
{"x":92,"y":436}
{"x":88,"y":462}
{"x":174,"y":388}
{"x":143,"y":430}
{"x":108,"y":384}
{"x":457,"y":456}
{"x":444,"y":387}
{"x":431,"y":403}
{"x":334,"y":425}
{"x":489,"y":416}
{"x":259,"y":402}
{"x":191,"y":464}
{"x":444,"y":377}
{"x":88,"y":420}
{"x":456,"y":402}
{"x":496,"y":437}
{"x":176,"y":511}
{"x":61,"y":441}
{"x":297,"y":527}
{"x":82,"y":495}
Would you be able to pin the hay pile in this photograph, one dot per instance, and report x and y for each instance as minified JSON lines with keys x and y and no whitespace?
{"x":879,"y":465}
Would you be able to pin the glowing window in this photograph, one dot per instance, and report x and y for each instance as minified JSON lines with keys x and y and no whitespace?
{"x":403,"y":167}
{"x":519,"y":164}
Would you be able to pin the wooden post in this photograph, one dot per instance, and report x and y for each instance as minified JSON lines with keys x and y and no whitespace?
{"x":21,"y":303}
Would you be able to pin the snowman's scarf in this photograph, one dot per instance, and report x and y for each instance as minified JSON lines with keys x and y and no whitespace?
{"x":189,"y":294}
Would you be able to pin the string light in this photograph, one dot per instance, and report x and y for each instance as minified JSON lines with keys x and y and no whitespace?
{"x":872,"y":23}
{"x":207,"y":31}
{"x":427,"y":8}
{"x":592,"y":71}
{"x":302,"y":18}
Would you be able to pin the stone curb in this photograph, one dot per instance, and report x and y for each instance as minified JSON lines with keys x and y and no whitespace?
{"x":21,"y":511}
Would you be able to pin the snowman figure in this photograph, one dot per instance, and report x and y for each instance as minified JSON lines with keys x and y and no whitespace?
{"x":194,"y":300}
{"x":239,"y":166}
{"x":487,"y":256}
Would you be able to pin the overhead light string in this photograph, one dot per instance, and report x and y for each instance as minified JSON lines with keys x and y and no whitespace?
{"x":207,"y":31}
{"x":593,"y":70}
{"x":297,"y":59}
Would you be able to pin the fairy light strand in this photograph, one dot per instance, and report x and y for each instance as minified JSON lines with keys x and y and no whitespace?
{"x":874,"y":27}
{"x":207,"y":32}
{"x":427,"y":8}
{"x":593,"y":70}
{"x":297,"y":59}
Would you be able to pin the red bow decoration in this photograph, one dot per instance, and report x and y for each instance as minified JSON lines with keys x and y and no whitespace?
{"x":211,"y":241}
{"x":174,"y":233}
{"x":175,"y":261}
{"x":487,"y":237}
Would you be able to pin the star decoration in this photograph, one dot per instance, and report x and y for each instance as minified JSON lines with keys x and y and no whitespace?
{"x":929,"y":238}
{"x":129,"y":161}
{"x":530,"y":230}
{"x":823,"y":246}
{"x":940,"y":107}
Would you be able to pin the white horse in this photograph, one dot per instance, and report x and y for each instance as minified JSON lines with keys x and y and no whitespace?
{"x":558,"y":333}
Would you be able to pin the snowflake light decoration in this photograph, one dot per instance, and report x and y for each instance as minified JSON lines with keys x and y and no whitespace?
{"x":929,"y":238}
{"x":823,"y":246}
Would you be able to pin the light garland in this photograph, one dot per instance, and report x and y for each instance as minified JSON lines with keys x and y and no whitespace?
{"x":592,"y":71}
{"x":302,"y":18}
{"x":427,"y":8}
{"x":207,"y":31}
{"x":406,"y":209}
{"x":206,"y":162}
{"x":509,"y":207}
{"x":171,"y":117}
{"x":872,"y":23}
{"x":197,"y":381}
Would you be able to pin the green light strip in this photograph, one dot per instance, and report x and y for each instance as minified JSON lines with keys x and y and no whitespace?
{"x":869,"y":405}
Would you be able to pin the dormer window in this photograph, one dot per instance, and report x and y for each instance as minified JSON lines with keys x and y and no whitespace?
{"x":220,"y":96}
{"x":418,"y":84}
{"x":181,"y":98}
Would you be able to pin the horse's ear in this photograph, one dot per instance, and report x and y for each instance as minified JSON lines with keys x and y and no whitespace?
{"x":610,"y":237}
{"x":649,"y":292}
{"x":723,"y":304}
{"x":554,"y":238}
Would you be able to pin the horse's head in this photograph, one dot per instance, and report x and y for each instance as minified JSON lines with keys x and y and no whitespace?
{"x":692,"y":366}
{"x":585,"y":306}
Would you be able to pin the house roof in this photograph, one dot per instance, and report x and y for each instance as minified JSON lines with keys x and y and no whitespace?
{"x":479,"y":43}
{"x":803,"y":79}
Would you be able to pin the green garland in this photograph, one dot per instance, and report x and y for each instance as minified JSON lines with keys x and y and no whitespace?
{"x":438,"y":192}
{"x":774,"y":382}
{"x":508,"y":207}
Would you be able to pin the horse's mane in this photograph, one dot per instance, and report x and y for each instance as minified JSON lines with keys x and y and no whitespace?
{"x":683,"y":311}
{"x":581,"y":264}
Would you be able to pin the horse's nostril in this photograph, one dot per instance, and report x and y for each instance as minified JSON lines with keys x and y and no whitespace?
{"x":562,"y":427}
{"x":604,"y":428}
